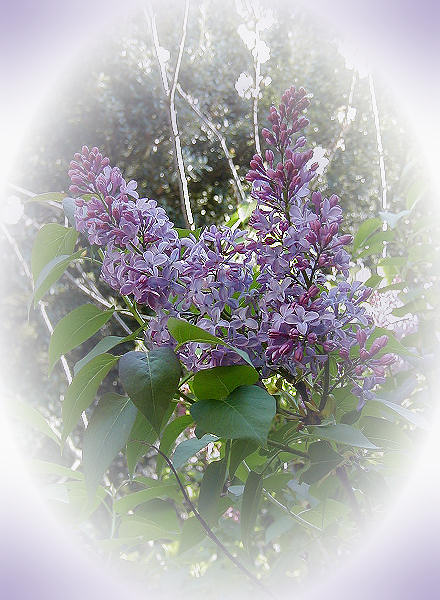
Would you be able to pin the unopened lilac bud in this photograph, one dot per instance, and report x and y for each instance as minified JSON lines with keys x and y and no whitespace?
{"x":298,"y":354}
{"x":344,"y":240}
{"x":313,"y":291}
{"x":361,"y":337}
{"x":269,"y":156}
{"x":284,"y":226}
{"x":364,"y":354}
{"x":312,"y":338}
{"x":378,"y":344}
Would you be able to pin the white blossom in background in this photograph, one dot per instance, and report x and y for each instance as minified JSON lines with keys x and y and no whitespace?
{"x":320,"y":158}
{"x":244,"y":85}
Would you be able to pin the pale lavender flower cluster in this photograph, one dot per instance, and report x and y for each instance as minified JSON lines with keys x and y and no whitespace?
{"x":280,"y":293}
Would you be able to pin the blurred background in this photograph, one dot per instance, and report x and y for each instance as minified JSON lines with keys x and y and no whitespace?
{"x":238,"y":58}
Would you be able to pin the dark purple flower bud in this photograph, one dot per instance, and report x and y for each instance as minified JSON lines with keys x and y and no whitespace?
{"x":378,"y":344}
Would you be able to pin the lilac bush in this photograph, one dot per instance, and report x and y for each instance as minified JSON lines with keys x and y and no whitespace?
{"x":280,"y":292}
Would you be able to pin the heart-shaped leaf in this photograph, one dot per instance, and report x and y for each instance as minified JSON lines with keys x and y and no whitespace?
{"x":151,"y":380}
{"x":219,"y":382}
{"x":246,"y":413}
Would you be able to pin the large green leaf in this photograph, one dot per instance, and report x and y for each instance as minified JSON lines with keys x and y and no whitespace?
{"x":51,"y":272}
{"x":246,"y":413}
{"x":50,"y":468}
{"x":183,"y":332}
{"x":412,"y":417}
{"x":101,"y":347}
{"x":343,"y":434}
{"x":249,"y":506}
{"x":151,"y":380}
{"x":106,"y":434}
{"x":74,"y":329}
{"x":82,"y":391}
{"x":219,"y":382}
{"x":210,"y":489}
{"x":52,"y":240}
{"x":323,"y":459}
{"x":169,"y":436}
{"x":189,"y":448}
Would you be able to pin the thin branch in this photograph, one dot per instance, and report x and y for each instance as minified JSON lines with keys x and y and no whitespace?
{"x":256,"y":91}
{"x":170,"y":96}
{"x":221,"y":138}
{"x":286,"y":448}
{"x":346,"y":122}
{"x":383,"y":179}
{"x":205,"y":525}
{"x":326,"y":386}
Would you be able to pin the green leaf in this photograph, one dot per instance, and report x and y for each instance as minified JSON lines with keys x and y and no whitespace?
{"x":240,"y":449}
{"x":384,"y":433}
{"x":365,"y":230}
{"x":211,"y":488}
{"x":183,"y":332}
{"x":101,"y":347}
{"x":249,"y":506}
{"x":246,"y":413}
{"x":323,"y":459}
{"x":157,"y":489}
{"x":82,"y":391}
{"x":169,"y":436}
{"x":189,"y":448}
{"x":192,"y":534}
{"x":151,"y":380}
{"x":48,"y":197}
{"x":131,"y":526}
{"x":69,"y":210}
{"x":50,"y":468}
{"x":74,"y":329}
{"x":142,"y":431}
{"x":219,"y":382}
{"x":106,"y":434}
{"x":277,"y":481}
{"x":52,"y":240}
{"x":409,"y":415}
{"x":343,"y":434}
{"x":141,"y":436}
{"x":373,"y":281}
{"x":183,"y":233}
{"x":32,"y":417}
{"x":51,"y":272}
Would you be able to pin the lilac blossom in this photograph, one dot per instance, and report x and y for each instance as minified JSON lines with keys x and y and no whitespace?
{"x":280,"y":292}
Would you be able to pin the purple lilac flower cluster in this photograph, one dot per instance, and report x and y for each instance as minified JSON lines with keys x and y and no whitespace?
{"x":281,"y":292}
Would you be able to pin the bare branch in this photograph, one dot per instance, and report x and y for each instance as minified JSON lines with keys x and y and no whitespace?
{"x":221,"y":138}
{"x":346,"y":122}
{"x":383,"y":179}
{"x":170,"y":96}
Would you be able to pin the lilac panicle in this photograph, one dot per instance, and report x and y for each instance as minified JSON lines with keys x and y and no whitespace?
{"x":268,"y":292}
